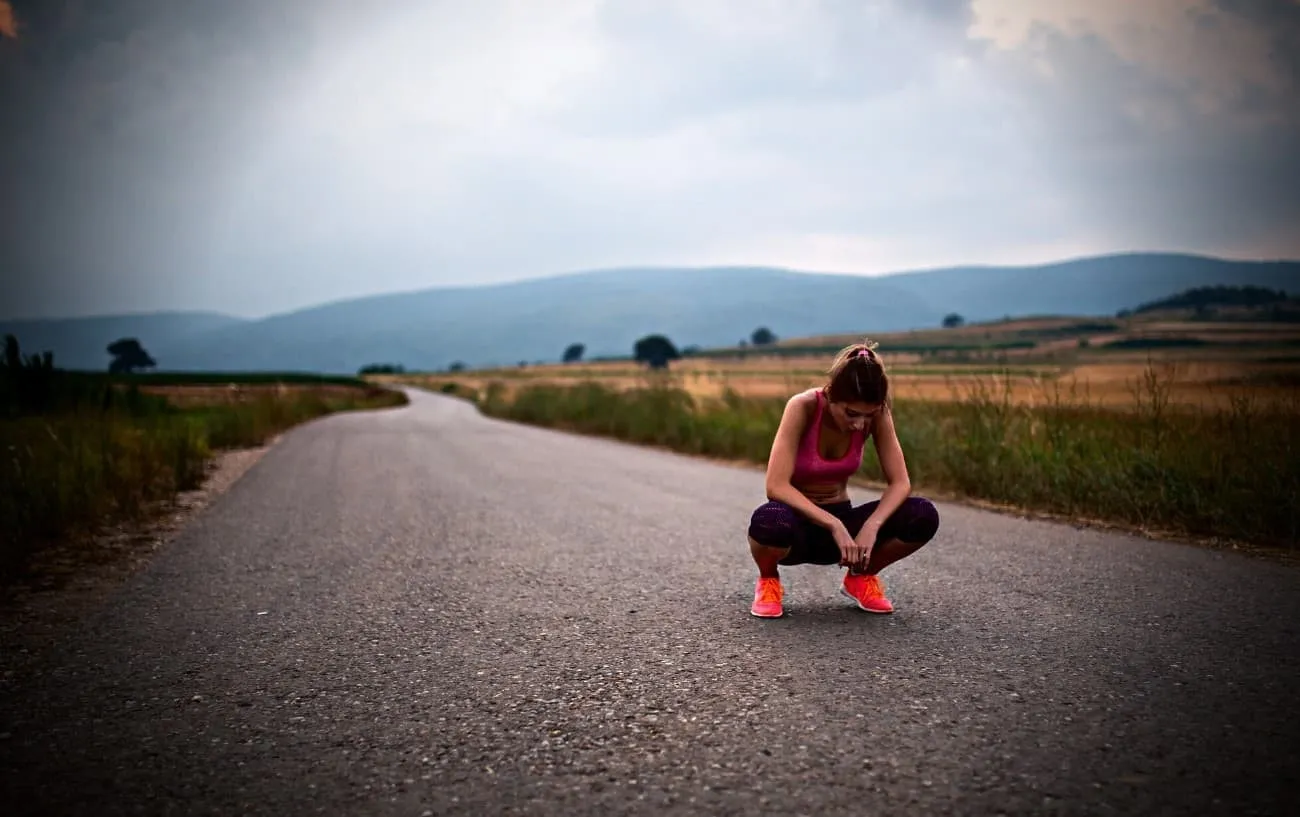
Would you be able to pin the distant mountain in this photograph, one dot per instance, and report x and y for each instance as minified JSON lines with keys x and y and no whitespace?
{"x":1100,"y":285}
{"x":80,"y":343}
{"x":536,"y":319}
{"x":608,"y":310}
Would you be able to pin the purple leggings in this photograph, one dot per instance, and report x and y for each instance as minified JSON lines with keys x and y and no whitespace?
{"x":776,"y":524}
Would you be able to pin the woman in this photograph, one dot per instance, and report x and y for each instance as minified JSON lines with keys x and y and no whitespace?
{"x":809,"y":518}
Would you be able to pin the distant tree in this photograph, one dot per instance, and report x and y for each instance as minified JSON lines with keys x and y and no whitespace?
{"x":28,"y":383}
{"x":1211,"y":296}
{"x":381,"y":368}
{"x":952,"y":320}
{"x":457,"y":366}
{"x":762,"y":336}
{"x":574,"y":352}
{"x":693,"y":349}
{"x":655,"y":351}
{"x":13,"y":353}
{"x":16,"y":363}
{"x":128,"y":355}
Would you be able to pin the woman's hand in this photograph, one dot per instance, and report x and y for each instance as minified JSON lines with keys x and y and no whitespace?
{"x":866,"y":539}
{"x":852,"y":552}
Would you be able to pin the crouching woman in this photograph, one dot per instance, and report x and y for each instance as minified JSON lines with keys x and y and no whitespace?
{"x":809,"y":518}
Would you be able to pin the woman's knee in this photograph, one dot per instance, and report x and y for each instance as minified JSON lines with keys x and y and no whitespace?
{"x":920,"y":520}
{"x":775,"y":524}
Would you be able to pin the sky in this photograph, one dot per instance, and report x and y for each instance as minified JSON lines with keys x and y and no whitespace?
{"x":251,"y":157}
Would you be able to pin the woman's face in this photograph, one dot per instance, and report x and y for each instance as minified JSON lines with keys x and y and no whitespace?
{"x":853,"y":416}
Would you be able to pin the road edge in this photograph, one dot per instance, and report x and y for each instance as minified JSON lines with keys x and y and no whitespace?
{"x":69,"y":582}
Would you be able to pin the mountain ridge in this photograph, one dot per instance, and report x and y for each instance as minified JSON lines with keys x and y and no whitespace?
{"x":607,"y":309}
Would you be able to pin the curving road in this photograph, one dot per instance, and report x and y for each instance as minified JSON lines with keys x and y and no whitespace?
{"x":425,"y":611}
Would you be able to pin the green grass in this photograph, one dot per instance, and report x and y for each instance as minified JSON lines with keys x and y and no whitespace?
{"x":1231,"y":473}
{"x":70,"y":471}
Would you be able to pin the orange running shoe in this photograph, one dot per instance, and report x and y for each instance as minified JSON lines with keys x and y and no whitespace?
{"x":868,"y":592}
{"x":767,"y":598}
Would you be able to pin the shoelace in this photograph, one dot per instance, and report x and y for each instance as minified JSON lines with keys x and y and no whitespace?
{"x":769,"y":590}
{"x":867,"y":585}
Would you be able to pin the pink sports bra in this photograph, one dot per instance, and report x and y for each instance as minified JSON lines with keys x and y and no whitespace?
{"x":810,"y":467}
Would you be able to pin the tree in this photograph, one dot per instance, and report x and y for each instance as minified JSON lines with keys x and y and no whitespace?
{"x":380,"y":368}
{"x":762,"y":336}
{"x":574,"y":352}
{"x":28,"y":382}
{"x":1212,"y":296}
{"x":129,"y":355}
{"x":13,"y":355}
{"x":656,"y":351}
{"x":952,"y":320}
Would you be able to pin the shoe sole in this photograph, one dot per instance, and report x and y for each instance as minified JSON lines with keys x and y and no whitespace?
{"x":846,"y":594}
{"x":761,"y":615}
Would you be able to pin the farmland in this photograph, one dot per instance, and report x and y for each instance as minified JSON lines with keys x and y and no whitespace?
{"x":1100,"y":361}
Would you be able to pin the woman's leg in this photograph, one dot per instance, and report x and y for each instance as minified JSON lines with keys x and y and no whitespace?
{"x":774,"y":531}
{"x":767,"y":558}
{"x":906,"y":531}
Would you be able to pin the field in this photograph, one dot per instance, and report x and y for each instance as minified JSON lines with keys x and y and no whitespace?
{"x":1160,"y":423}
{"x":87,"y":451}
{"x":1204,"y":363}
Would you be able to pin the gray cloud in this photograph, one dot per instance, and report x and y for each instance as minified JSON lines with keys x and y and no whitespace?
{"x":1152,"y":160}
{"x":252,"y":156}
{"x":124,"y":117}
{"x":679,"y":68}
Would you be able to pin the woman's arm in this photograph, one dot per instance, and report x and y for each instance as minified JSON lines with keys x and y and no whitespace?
{"x":898,"y":484}
{"x":780,"y":463}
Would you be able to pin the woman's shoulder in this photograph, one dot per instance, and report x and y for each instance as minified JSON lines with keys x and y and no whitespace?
{"x":804,"y":399}
{"x":804,"y":403}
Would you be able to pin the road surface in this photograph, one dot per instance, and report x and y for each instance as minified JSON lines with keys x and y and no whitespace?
{"x":425,"y":611}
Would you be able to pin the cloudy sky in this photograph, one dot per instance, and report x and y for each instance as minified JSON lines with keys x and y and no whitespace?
{"x":251,"y":157}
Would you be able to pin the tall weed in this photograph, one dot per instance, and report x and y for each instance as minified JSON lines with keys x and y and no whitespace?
{"x":68,"y":473}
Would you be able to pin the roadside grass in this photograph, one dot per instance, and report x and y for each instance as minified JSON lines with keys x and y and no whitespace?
{"x":78,"y":454}
{"x":1228,"y":471}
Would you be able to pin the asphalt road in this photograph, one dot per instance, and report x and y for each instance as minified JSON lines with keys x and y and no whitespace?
{"x":425,"y":611}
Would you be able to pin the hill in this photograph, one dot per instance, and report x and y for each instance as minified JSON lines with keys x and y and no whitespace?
{"x":1099,"y":285}
{"x":608,"y":310}
{"x":1205,"y":300}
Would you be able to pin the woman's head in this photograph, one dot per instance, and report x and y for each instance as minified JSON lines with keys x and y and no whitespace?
{"x":857,"y":385}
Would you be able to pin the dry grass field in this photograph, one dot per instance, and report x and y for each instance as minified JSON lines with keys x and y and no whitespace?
{"x":1103,"y":362}
{"x":1111,"y":384}
{"x":198,"y":395}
